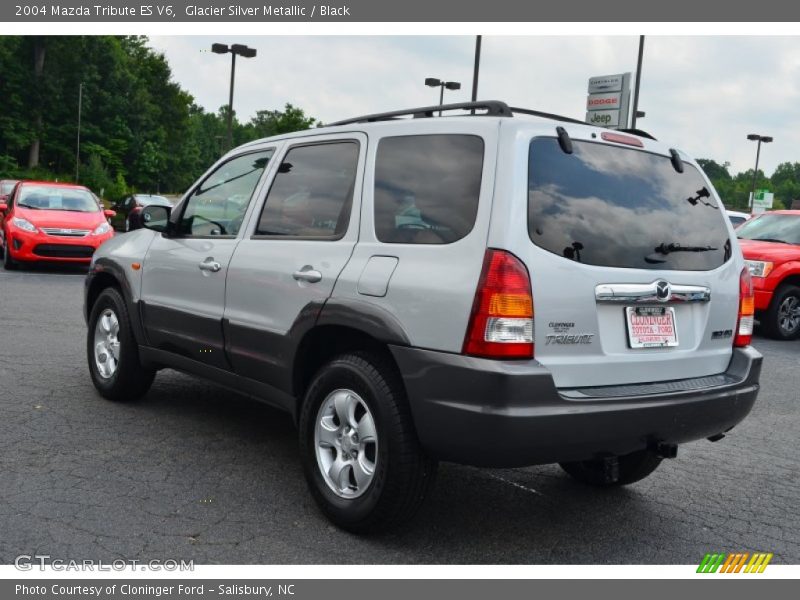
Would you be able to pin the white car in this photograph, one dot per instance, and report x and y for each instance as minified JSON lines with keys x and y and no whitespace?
{"x":737,"y":218}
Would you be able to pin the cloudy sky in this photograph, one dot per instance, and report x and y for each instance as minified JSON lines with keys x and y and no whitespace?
{"x":703,"y":94}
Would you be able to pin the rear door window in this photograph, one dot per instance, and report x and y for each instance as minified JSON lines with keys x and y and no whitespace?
{"x":312,"y":194}
{"x":618,"y":207}
{"x":427,"y":188}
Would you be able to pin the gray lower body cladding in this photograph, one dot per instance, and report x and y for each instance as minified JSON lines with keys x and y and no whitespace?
{"x":510,"y":414}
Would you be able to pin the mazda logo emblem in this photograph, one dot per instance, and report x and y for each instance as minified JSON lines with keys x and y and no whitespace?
{"x":663,"y":291}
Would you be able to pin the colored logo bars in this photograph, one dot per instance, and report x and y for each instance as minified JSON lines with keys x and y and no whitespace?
{"x":735,"y":563}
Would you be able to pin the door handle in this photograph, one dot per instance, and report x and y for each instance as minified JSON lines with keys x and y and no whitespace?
{"x":210,"y":265}
{"x":308,"y":274}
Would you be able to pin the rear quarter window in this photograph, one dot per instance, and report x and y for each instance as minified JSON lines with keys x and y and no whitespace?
{"x":427,"y":188}
{"x":618,"y":207}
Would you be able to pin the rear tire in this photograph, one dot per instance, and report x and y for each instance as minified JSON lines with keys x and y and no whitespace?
{"x":632,"y":467}
{"x":112,"y":351}
{"x":359,"y":490}
{"x":781,"y":320}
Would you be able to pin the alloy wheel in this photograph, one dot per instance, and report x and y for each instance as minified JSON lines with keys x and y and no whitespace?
{"x":346,"y":443}
{"x":106,"y":343}
{"x":789,"y":315}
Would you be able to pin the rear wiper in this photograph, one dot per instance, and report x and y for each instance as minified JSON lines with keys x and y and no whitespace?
{"x":664,"y":248}
{"x":28,"y":206}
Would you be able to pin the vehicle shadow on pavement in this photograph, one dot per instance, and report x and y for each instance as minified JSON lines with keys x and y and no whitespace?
{"x":47,"y":268}
{"x":230,"y":467}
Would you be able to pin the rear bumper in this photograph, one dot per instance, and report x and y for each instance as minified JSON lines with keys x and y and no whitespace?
{"x":509,"y":414}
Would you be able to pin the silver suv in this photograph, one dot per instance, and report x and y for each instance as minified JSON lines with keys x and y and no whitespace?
{"x":496,"y":287}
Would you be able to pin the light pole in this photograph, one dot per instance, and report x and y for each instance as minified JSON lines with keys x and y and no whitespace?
{"x":636,"y":112}
{"x":244,"y":52}
{"x":450,"y":85}
{"x":78,"y":146}
{"x":754,"y":137}
{"x":476,"y":69}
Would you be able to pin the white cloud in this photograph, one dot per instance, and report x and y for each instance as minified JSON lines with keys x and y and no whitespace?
{"x":702,"y":94}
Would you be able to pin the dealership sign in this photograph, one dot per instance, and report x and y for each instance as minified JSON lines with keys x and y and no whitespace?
{"x":762,"y":201}
{"x":608,"y":100}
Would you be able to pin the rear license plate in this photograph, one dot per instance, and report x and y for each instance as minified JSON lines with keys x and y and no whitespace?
{"x":651,"y":326}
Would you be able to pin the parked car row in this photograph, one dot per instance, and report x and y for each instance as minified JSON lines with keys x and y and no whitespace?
{"x":43,"y":221}
{"x":53,"y":222}
{"x":129,"y":209}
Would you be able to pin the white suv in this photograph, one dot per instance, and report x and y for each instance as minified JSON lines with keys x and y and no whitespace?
{"x":501,"y":288}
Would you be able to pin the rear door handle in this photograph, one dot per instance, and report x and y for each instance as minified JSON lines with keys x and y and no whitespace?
{"x":210,"y":265}
{"x":308,"y":273}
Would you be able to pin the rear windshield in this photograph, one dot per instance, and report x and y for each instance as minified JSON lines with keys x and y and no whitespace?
{"x":618,"y":207}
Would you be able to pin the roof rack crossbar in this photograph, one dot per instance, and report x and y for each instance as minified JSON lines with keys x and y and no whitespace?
{"x":546,"y":115}
{"x":493,"y":108}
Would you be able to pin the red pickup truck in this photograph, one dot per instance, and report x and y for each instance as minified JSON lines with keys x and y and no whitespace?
{"x":771,"y":246}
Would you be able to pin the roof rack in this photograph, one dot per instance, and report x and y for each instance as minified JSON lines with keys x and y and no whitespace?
{"x":546,"y":115}
{"x":493,"y":108}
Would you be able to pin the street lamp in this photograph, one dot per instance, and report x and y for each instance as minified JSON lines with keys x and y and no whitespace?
{"x":450,"y":85}
{"x":636,"y":112}
{"x":234,"y":50}
{"x":78,"y":146}
{"x":754,"y":137}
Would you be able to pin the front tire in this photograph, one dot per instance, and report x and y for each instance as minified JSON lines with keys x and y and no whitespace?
{"x":9,"y":264}
{"x":112,"y":351}
{"x":781,"y":320}
{"x":360,"y":453}
{"x":631,"y":468}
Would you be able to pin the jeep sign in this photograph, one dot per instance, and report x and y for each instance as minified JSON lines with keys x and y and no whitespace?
{"x":603,"y":118}
{"x":608,"y":100}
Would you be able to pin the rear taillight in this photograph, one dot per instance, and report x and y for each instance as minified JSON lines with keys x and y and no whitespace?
{"x":501,"y":324}
{"x":747,"y":306}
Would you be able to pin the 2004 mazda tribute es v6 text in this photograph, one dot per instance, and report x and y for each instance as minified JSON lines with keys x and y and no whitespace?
{"x":502,"y":288}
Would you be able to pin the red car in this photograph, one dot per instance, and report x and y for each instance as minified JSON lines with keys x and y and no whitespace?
{"x":771,"y":246}
{"x":52,"y":222}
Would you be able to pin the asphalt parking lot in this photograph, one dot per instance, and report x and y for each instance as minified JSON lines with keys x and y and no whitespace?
{"x":196,"y":472}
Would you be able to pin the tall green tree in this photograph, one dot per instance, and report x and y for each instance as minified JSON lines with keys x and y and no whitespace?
{"x":139,"y":129}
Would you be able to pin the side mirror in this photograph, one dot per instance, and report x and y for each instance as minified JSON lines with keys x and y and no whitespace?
{"x":109,"y":213}
{"x":3,"y":207}
{"x":155,"y":218}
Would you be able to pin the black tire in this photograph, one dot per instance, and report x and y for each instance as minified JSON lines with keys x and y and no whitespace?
{"x":632,"y":467}
{"x":130,"y":380}
{"x":9,"y":264}
{"x":774,"y":320}
{"x":403,"y":474}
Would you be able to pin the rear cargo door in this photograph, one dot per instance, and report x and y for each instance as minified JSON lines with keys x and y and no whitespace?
{"x":631,"y":265}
